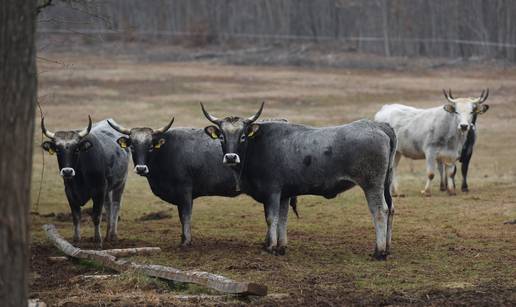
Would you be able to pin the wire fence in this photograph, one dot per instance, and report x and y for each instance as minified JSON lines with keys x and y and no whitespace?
{"x":435,"y":28}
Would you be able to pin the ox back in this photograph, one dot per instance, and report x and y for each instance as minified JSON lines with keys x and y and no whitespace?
{"x":300,"y":160}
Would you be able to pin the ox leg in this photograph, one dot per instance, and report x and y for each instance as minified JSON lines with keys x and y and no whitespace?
{"x":464,"y":170}
{"x":107,"y":208}
{"x":430,"y":171}
{"x":395,"y":184}
{"x":96,"y":216}
{"x":442,"y":176}
{"x":185,"y":216}
{"x":390,"y":205}
{"x":76,"y":216}
{"x":380,"y":213}
{"x":272,"y":208}
{"x":116,"y":203}
{"x":282,"y":226}
{"x":450,"y":173}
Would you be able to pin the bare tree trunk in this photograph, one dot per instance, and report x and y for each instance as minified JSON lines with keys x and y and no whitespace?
{"x":17,"y":99}
{"x":385,"y":25}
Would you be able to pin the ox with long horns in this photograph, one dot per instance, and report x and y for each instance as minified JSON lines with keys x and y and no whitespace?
{"x":278,"y":160}
{"x":93,"y":167}
{"x":436,"y":134}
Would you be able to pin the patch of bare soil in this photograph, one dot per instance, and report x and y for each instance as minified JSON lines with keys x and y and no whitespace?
{"x":160,"y":215}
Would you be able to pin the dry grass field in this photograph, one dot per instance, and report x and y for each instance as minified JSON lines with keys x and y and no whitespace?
{"x":446,"y":250}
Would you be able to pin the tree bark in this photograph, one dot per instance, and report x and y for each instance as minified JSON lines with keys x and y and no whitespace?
{"x":17,"y":99}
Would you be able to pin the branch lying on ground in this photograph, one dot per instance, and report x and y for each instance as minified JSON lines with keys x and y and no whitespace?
{"x":106,"y":259}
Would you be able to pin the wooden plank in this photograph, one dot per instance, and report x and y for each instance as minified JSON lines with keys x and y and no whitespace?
{"x":209,"y":280}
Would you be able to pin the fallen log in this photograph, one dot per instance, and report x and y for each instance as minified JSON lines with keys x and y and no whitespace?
{"x":209,"y":280}
{"x":137,"y":251}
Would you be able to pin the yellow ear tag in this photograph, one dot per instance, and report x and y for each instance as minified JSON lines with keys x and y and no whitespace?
{"x":122,"y":144}
{"x":250,"y":134}
{"x":50,"y":151}
{"x":160,"y":142}
{"x":214,"y":136}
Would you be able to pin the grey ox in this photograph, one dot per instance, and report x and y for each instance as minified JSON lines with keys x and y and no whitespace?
{"x":436,"y":135}
{"x":277,"y":160}
{"x":93,"y":167}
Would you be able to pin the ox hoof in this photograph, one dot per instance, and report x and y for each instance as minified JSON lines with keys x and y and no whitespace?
{"x":76,"y":239}
{"x":380,"y":256}
{"x":185,"y":244}
{"x":451,"y":193}
{"x":111,"y":238}
{"x":281,"y":250}
{"x":426,"y":193}
{"x":465,"y":189}
{"x":442,"y":188}
{"x":271,"y":250}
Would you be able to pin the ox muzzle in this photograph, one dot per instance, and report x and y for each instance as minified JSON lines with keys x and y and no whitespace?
{"x":464,"y":127}
{"x":231,"y":159}
{"x":67,"y":172}
{"x":141,"y":170}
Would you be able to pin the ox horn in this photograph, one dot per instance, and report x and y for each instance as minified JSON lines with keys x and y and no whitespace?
{"x":45,"y":131}
{"x":211,"y":118}
{"x":119,"y":128}
{"x":86,"y":131}
{"x":164,"y":129}
{"x":449,"y":96}
{"x":483,"y":96}
{"x":255,"y":116}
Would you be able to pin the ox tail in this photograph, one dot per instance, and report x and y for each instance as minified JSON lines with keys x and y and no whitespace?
{"x":393,"y":142}
{"x":293,"y":204}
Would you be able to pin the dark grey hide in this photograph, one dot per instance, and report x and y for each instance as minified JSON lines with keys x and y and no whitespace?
{"x":93,"y":167}
{"x":280,"y":160}
{"x":180,"y":165}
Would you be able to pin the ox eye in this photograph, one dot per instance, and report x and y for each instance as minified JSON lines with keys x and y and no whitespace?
{"x":221,"y":137}
{"x":242,"y":138}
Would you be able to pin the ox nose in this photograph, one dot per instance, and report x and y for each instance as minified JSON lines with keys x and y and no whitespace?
{"x":464,"y":127}
{"x":231,"y":159}
{"x":141,"y":170}
{"x":67,"y":172}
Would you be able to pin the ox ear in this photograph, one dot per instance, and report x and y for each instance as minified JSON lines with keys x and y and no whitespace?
{"x":158,"y":143}
{"x":123,"y":142}
{"x":85,"y":145}
{"x":482,"y":109}
{"x":49,"y":147}
{"x":252,"y":130}
{"x":213,"y":132}
{"x":449,"y":108}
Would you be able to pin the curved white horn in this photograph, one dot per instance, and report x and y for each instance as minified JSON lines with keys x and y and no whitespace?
{"x":86,"y":131}
{"x":119,"y":128}
{"x":449,"y":96}
{"x":45,"y":131}
{"x":164,"y":129}
{"x":257,"y":114}
{"x":211,"y":118}
{"x":483,"y":96}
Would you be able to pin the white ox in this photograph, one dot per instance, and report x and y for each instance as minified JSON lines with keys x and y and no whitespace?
{"x":436,"y":135}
